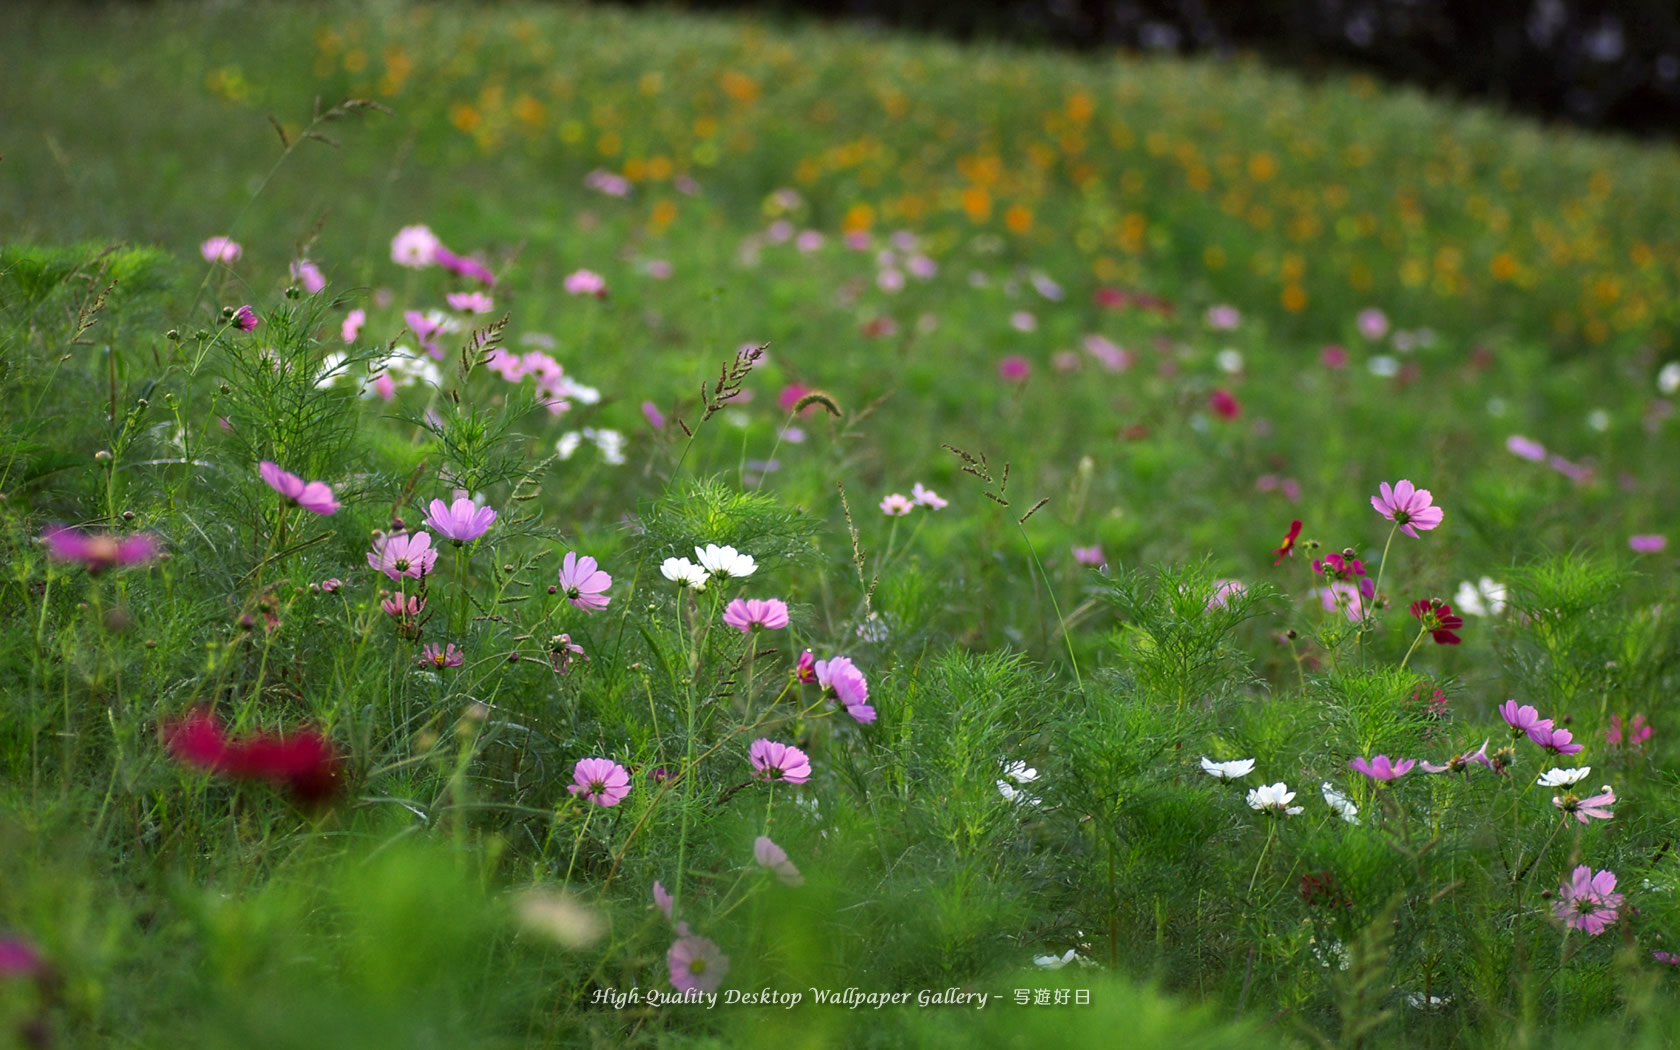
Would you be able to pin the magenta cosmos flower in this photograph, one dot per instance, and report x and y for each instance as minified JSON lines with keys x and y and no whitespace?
{"x":18,"y":958}
{"x":1525,"y":720}
{"x":98,"y":551}
{"x":1560,"y":742}
{"x":1648,"y":544}
{"x":221,"y":249}
{"x":1586,"y":810}
{"x":1588,"y":901}
{"x":1407,"y":506}
{"x":774,"y":761}
{"x":1091,"y":556}
{"x":600,"y":780}
{"x":245,"y":319}
{"x":439,"y":656}
{"x":1014,"y":369}
{"x":1382,"y":767}
{"x":582,"y":581}
{"x":461,"y":521}
{"x":313,"y":496}
{"x":403,"y":554}
{"x":697,"y":965}
{"x":769,"y":855}
{"x":841,"y":677}
{"x":751,"y":614}
{"x":806,"y":669}
{"x":462,"y":265}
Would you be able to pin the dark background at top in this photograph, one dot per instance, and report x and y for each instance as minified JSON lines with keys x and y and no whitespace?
{"x":1608,"y":64}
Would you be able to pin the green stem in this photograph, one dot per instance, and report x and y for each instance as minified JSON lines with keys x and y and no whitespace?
{"x":587,"y":814}
{"x":1067,"y":638}
{"x":1271,"y":832}
{"x":1404,"y":660}
{"x":1376,"y":592}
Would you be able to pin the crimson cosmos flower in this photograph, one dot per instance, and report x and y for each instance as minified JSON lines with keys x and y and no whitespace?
{"x":1438,"y":619}
{"x":304,"y":762}
{"x":1288,"y":543}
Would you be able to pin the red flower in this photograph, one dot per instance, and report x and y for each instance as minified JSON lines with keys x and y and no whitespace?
{"x":305,"y":762}
{"x":1288,"y":542}
{"x":1224,"y":404}
{"x":1438,"y":619}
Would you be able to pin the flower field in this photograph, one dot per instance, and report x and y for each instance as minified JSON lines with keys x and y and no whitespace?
{"x":530,"y":526}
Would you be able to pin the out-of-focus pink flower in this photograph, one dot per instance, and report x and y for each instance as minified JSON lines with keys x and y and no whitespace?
{"x":353,"y":322}
{"x":314,"y":496}
{"x":1580,"y":475}
{"x":1382,"y":767}
{"x":651,"y":413}
{"x":610,"y":183}
{"x":331,"y":585}
{"x":1014,"y":369}
{"x":1223,"y":317}
{"x":415,"y":247}
{"x":18,"y":958}
{"x":424,"y":328}
{"x":1333,"y":357}
{"x":99,"y":551}
{"x":697,"y":965}
{"x":1288,"y":546}
{"x":470,"y":302}
{"x":1223,"y":592}
{"x":769,"y":855}
{"x":245,"y":319}
{"x":1407,"y":505}
{"x":586,"y":282}
{"x":750,"y":614}
{"x":582,"y":582}
{"x":403,"y":554}
{"x":462,"y":266}
{"x":775,"y":761}
{"x":1224,"y":404}
{"x":600,"y":780}
{"x":304,"y":762}
{"x":1635,"y":735}
{"x":1347,"y":598}
{"x":1648,"y":544}
{"x":1091,"y":556}
{"x":1373,"y":323}
{"x":663,"y":900}
{"x":928,"y":498}
{"x":221,"y":249}
{"x":896,"y":505}
{"x":1525,"y":448}
{"x":1022,"y":321}
{"x":1588,"y":901}
{"x":461,"y":521}
{"x":308,"y":275}
{"x":1111,"y":356}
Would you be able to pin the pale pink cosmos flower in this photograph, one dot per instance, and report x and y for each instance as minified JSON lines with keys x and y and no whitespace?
{"x":403,"y":554}
{"x":415,"y":247}
{"x":440,"y":656}
{"x":562,"y":651}
{"x":461,"y":521}
{"x":308,"y":275}
{"x":651,"y":413}
{"x":896,"y":505}
{"x":1648,"y":544}
{"x":98,"y":552}
{"x":1223,"y":317}
{"x":697,"y":965}
{"x":1373,"y":323}
{"x":470,"y":302}
{"x":1111,"y":356}
{"x":769,"y":855}
{"x":400,"y":607}
{"x":353,"y":322}
{"x":245,"y":319}
{"x":1022,"y":321}
{"x":1407,"y":505}
{"x":1586,"y":810}
{"x":751,"y":614}
{"x":928,"y":498}
{"x":221,"y":249}
{"x":1525,"y":720}
{"x":1588,"y":901}
{"x":1223,"y":592}
{"x":1525,"y":448}
{"x":775,"y":761}
{"x":1460,"y":763}
{"x":1091,"y":556}
{"x":600,"y":780}
{"x":582,"y":582}
{"x":842,"y":677}
{"x":1382,"y":767}
{"x":663,"y":900}
{"x":314,"y":496}
{"x":1347,"y":597}
{"x":586,"y":282}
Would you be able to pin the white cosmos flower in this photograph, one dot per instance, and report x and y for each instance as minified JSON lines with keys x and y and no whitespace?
{"x":1020,"y":772}
{"x":1552,"y":778}
{"x":684,"y":573}
{"x":1339,"y":802}
{"x":1273,"y":798}
{"x":1055,"y":962}
{"x":1482,"y":598}
{"x":725,"y":561}
{"x":1242,"y":767}
{"x":1014,"y":794}
{"x":1668,"y":380}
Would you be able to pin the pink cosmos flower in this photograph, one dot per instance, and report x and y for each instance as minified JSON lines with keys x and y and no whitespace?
{"x":18,"y":958}
{"x":600,"y":780}
{"x":769,"y":855}
{"x":353,"y":322}
{"x":99,"y":551}
{"x":424,"y":328}
{"x":435,"y":655}
{"x":415,"y":247}
{"x":314,"y":496}
{"x":582,"y":582}
{"x":1407,"y":505}
{"x":462,"y":266}
{"x":1223,"y":317}
{"x":308,"y":275}
{"x":245,"y":319}
{"x":1014,"y":369}
{"x":1224,"y":404}
{"x":1560,"y":742}
{"x":1223,"y":592}
{"x":1022,"y":321}
{"x":928,"y":498}
{"x":896,"y":505}
{"x":1586,"y":810}
{"x":774,"y":761}
{"x":1382,"y":768}
{"x":1637,"y":732}
{"x":1524,"y":448}
{"x":403,"y":607}
{"x":608,"y":182}
{"x":562,"y":651}
{"x":221,"y":249}
{"x":842,"y":678}
{"x":586,"y":282}
{"x":1373,"y":323}
{"x":750,"y":614}
{"x":697,"y":964}
{"x":655,"y":418}
{"x":331,"y":584}
{"x":1347,"y":597}
{"x":403,"y":554}
{"x":1460,"y":763}
{"x":1648,"y":544}
{"x":470,"y":302}
{"x":1526,"y":720}
{"x":1588,"y":901}
{"x":663,"y":900}
{"x":1092,"y":555}
{"x":1333,"y":357}
{"x":806,"y":669}
{"x":461,"y":521}
{"x":1668,"y":958}
{"x":1108,"y":354}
